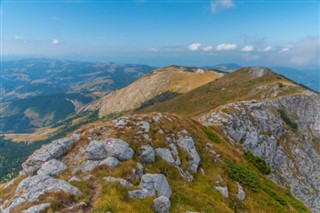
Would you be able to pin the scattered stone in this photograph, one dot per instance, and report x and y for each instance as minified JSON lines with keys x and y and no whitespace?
{"x":144,"y":125}
{"x":223,"y":190}
{"x":123,"y":182}
{"x":185,"y":174}
{"x":148,"y":154}
{"x":241,"y":194}
{"x":77,"y":207}
{"x":111,"y":162}
{"x":96,"y":151}
{"x":53,"y":150}
{"x":120,"y":122}
{"x":38,"y":208}
{"x":119,"y":149}
{"x":152,"y":184}
{"x":52,"y":167}
{"x":165,"y":154}
{"x":161,"y":204}
{"x":187,"y":144}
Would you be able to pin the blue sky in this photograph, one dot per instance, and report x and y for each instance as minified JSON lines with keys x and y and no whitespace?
{"x":269,"y":33}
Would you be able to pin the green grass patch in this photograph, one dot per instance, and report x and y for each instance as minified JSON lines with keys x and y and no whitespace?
{"x":211,"y":135}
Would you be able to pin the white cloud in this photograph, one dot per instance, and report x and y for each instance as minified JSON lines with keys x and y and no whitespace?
{"x":226,"y":46}
{"x":267,"y":49}
{"x":220,"y":5}
{"x":208,"y":48}
{"x":194,"y":46}
{"x":18,"y":38}
{"x":248,"y":48}
{"x":286,"y":48}
{"x":55,"y":41}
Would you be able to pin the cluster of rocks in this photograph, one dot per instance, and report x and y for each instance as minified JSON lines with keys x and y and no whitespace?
{"x":109,"y":152}
{"x":41,"y":167}
{"x":154,"y":184}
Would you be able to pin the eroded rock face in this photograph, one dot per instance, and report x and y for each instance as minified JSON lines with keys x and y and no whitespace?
{"x":187,"y":144}
{"x":293,"y":155}
{"x":52,"y":168}
{"x":53,"y":150}
{"x":152,"y":184}
{"x":33,"y":187}
{"x":161,"y":204}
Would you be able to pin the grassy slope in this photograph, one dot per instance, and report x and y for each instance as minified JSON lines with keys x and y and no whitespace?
{"x":231,"y":88}
{"x":171,"y":79}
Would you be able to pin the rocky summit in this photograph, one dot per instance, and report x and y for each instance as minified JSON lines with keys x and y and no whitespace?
{"x":246,"y":142}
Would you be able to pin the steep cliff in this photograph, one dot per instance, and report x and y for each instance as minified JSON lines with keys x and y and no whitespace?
{"x":285,"y":132}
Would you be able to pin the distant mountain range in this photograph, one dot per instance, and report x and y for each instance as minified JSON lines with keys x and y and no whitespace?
{"x":30,"y":77}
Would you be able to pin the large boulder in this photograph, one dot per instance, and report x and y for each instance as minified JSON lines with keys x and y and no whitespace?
{"x":31,"y":188}
{"x":187,"y":144}
{"x":152,"y":184}
{"x":165,"y":154}
{"x":53,"y":150}
{"x":52,"y":167}
{"x":148,"y":154}
{"x":118,"y":148}
{"x":96,"y":151}
{"x":161,"y":204}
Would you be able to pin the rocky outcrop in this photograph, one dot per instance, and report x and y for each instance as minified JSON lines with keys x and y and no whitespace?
{"x":53,"y":150}
{"x":152,"y":184}
{"x":31,"y":188}
{"x":52,"y":167}
{"x":187,"y":144}
{"x":161,"y":204}
{"x":292,"y":151}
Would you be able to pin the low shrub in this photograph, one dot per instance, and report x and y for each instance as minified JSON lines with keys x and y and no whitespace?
{"x":243,"y":175}
{"x":287,"y":119}
{"x":258,"y":162}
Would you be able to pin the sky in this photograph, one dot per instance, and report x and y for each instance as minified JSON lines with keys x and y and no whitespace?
{"x":163,"y":32}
